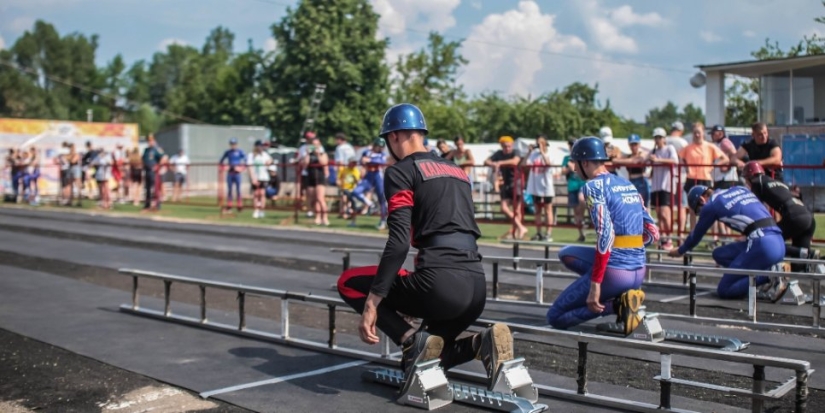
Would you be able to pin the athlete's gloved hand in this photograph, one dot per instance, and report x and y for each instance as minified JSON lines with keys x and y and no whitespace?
{"x":593,"y":303}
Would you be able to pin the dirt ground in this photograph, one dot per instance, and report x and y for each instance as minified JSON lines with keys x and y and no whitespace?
{"x":544,"y":357}
{"x":38,"y":377}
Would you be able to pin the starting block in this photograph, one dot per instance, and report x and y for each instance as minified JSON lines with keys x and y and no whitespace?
{"x":429,"y":388}
{"x":650,"y":329}
{"x":794,"y":294}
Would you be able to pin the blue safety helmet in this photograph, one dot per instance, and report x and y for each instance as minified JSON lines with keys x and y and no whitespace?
{"x":590,"y":148}
{"x":233,"y":141}
{"x":634,"y":138}
{"x":695,"y":195}
{"x":404,"y":116}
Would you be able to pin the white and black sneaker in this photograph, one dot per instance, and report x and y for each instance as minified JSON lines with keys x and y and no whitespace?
{"x":496,"y":348}
{"x":419,"y":348}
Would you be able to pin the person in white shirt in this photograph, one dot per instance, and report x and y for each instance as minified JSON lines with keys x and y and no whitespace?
{"x":677,"y":129}
{"x":540,"y":187}
{"x":180,"y":164}
{"x":103,"y":173}
{"x":258,"y":166}
{"x":664,"y":160}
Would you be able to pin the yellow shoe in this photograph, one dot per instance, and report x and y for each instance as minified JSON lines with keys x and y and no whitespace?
{"x":627,"y":313}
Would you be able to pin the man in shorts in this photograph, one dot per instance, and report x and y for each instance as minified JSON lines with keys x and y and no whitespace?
{"x":180,"y":165}
{"x":665,"y":160}
{"x":505,"y":162}
{"x":430,"y":208}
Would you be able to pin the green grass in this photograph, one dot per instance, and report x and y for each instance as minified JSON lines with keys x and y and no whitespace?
{"x":203,"y":211}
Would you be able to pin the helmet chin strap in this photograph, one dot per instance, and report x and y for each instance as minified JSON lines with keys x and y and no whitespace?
{"x":581,"y":168}
{"x":389,"y":149}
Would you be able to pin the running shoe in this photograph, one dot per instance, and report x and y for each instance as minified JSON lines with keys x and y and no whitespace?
{"x":581,"y":238}
{"x":627,"y":311}
{"x":774,"y":290}
{"x":419,"y":348}
{"x":382,"y":225}
{"x":496,"y":348}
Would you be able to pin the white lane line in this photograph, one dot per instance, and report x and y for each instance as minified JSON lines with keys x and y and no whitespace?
{"x":682,"y":297}
{"x":283,"y":378}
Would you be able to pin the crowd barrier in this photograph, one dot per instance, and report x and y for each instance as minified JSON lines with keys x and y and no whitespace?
{"x":206,"y":184}
{"x":758,"y":392}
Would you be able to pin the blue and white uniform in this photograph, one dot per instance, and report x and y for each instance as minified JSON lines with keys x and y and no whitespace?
{"x":623,"y":227}
{"x":373,"y":179}
{"x":740,"y":210}
{"x":235,"y":158}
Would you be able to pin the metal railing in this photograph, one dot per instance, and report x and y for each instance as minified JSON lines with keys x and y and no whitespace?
{"x":690,"y":271}
{"x":758,"y":394}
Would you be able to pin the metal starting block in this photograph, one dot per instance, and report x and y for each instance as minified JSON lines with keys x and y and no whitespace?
{"x":513,"y":378}
{"x":651,"y":330}
{"x":794,"y":294}
{"x":430,"y":389}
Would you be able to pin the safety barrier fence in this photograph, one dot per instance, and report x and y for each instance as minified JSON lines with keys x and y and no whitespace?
{"x":205,"y":184}
{"x":758,"y":393}
{"x":691,"y":271}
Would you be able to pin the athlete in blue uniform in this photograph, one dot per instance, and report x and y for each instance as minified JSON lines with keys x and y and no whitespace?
{"x":235,"y":159}
{"x":740,"y":210}
{"x":611,"y":273}
{"x":374,"y":160}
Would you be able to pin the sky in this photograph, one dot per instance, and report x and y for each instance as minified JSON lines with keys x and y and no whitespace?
{"x":641,"y":53}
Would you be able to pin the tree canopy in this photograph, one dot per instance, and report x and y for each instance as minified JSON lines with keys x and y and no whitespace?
{"x":48,"y":75}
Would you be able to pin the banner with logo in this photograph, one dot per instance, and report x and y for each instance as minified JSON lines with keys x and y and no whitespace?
{"x":48,"y":137}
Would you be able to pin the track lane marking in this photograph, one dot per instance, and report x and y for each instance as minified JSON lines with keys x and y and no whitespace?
{"x":282,"y":379}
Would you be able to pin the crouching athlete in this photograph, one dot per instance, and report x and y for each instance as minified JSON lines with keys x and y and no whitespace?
{"x":740,"y":210}
{"x":611,"y":273}
{"x":430,"y":207}
{"x":797,"y":223}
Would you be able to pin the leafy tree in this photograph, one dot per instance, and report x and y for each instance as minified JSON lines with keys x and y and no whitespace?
{"x":330,"y":43}
{"x":669,"y":113}
{"x":429,"y":73}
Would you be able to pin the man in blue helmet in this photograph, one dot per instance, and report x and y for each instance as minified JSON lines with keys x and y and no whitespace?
{"x":612,"y":272}
{"x":235,"y":160}
{"x":740,"y":210}
{"x":374,"y":160}
{"x":430,"y":208}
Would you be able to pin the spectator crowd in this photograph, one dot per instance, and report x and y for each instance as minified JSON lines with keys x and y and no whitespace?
{"x":525,"y":182}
